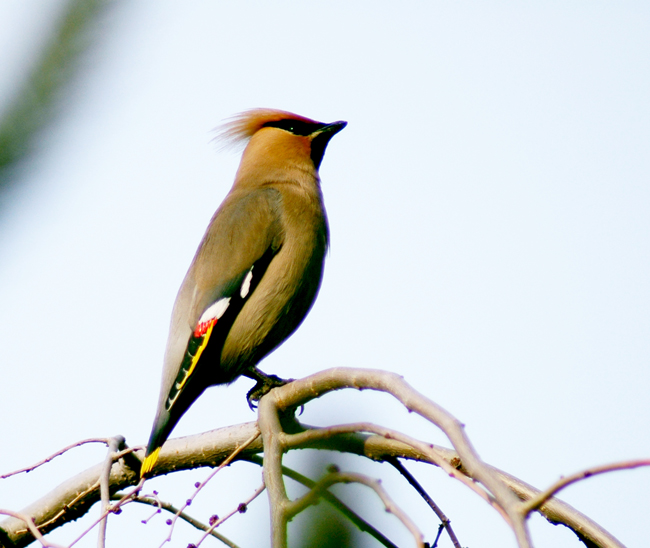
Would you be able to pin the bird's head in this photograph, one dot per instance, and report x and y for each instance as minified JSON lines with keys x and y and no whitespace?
{"x":277,"y":137}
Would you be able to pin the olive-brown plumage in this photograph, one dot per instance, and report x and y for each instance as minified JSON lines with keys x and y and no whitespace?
{"x":258,"y":268}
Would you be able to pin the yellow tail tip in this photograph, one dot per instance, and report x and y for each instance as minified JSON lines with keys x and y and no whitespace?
{"x":149,"y":462}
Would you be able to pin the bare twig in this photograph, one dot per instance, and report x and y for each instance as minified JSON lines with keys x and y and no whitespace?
{"x":241,"y":508}
{"x":108,"y":510}
{"x":441,"y":528}
{"x":32,"y":528}
{"x":416,"y":485}
{"x":298,"y":505}
{"x":154,"y":501}
{"x":432,"y":453}
{"x":272,"y":434}
{"x":54,"y":455}
{"x":104,"y":485}
{"x":535,"y":502}
{"x":282,"y":509}
{"x":161,"y":505}
{"x":74,"y":497}
{"x":226,"y":462}
{"x":357,"y":520}
{"x":300,"y":392}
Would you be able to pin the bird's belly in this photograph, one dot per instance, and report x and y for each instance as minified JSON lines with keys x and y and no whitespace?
{"x":275,"y":310}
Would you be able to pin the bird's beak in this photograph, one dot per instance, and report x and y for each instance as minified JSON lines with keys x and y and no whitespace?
{"x":333,"y":128}
{"x":321,"y":137}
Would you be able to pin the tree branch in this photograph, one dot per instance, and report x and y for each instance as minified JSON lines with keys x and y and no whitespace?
{"x":416,"y":485}
{"x":300,"y":392}
{"x":535,"y":502}
{"x":74,"y":497}
{"x":160,"y":505}
{"x":358,"y":521}
{"x":298,"y":505}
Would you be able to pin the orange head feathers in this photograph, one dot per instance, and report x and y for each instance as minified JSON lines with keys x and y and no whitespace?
{"x":241,"y":127}
{"x":300,"y":138}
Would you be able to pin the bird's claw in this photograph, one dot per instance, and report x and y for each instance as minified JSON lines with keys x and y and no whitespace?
{"x":265,"y":383}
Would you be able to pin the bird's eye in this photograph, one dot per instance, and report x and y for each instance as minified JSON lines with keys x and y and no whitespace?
{"x":296,"y":127}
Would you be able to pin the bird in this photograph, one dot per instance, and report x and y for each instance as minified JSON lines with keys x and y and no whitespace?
{"x":257,"y":270}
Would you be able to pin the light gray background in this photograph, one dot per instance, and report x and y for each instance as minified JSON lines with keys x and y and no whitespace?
{"x":489,"y":207}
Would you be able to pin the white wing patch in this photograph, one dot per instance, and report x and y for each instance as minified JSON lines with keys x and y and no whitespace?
{"x":246,"y":284}
{"x":216,"y":310}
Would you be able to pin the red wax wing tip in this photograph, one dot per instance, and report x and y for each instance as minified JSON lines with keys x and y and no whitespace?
{"x":202,"y":327}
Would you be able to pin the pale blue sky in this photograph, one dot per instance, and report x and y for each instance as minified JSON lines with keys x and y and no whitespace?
{"x":489,"y":208}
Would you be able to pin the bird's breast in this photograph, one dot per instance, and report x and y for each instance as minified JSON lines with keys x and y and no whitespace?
{"x":287,"y":290}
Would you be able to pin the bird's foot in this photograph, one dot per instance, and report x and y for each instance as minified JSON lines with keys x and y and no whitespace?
{"x":265,"y":383}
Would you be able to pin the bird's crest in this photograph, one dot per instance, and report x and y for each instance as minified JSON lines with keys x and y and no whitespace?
{"x":241,"y":127}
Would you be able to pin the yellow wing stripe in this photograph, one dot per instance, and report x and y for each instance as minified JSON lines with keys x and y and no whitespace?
{"x":177,"y":389}
{"x":195,"y":359}
{"x":150,"y":460}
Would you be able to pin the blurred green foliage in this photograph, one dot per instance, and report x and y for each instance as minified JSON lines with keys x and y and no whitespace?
{"x":35,"y":101}
{"x":327,"y":529}
{"x":321,"y":525}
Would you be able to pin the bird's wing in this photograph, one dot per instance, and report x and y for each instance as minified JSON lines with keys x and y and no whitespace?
{"x":242,"y":231}
{"x":242,"y":239}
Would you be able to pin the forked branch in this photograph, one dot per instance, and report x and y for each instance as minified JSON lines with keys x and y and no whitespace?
{"x":281,"y":432}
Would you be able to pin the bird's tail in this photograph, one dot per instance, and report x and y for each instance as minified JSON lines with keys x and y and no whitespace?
{"x":162,"y":427}
{"x":149,"y":462}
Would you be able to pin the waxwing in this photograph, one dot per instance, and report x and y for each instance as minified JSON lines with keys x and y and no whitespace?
{"x":257,"y":270}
